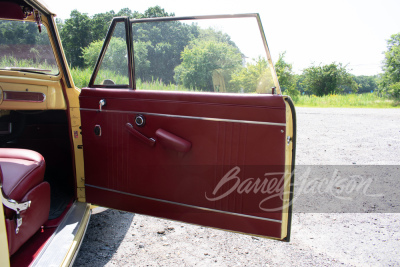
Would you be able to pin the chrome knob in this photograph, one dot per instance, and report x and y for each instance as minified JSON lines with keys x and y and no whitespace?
{"x":140,"y":120}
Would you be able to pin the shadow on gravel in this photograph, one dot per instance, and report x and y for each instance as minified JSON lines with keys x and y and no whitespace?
{"x":106,"y":230}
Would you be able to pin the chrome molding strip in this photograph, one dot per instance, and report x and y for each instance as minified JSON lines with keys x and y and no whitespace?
{"x":200,"y":17}
{"x":188,"y":117}
{"x":185,"y":205}
{"x":58,"y":246}
{"x":80,"y":243}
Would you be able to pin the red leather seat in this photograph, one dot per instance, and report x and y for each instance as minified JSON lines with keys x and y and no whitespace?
{"x":21,"y":174}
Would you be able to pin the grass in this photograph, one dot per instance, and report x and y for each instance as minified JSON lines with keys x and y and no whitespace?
{"x":368,"y":100}
{"x":82,"y":77}
{"x":159,"y":85}
{"x":7,"y":61}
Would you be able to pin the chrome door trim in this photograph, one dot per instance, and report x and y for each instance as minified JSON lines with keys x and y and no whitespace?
{"x":188,"y":117}
{"x":186,"y":205}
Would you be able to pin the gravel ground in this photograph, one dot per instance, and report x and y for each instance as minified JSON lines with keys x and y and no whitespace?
{"x":325,"y":136}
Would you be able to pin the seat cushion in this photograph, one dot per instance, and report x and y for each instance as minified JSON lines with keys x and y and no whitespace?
{"x":22,"y":170}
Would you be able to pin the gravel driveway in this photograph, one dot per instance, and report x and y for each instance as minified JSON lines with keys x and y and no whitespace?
{"x":330,"y":136}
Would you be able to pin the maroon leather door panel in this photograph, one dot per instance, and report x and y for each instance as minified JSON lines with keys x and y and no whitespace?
{"x":203,"y":167}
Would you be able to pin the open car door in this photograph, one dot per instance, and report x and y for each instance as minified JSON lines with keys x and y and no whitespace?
{"x":184,"y":119}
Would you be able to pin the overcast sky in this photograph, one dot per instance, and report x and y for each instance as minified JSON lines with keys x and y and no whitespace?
{"x":310,"y":31}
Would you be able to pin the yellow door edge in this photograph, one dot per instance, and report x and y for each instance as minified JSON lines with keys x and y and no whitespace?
{"x":4,"y":254}
{"x":288,"y":176}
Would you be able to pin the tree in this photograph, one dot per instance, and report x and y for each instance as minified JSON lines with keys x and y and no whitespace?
{"x":203,"y":59}
{"x":156,"y":11}
{"x":76,"y":33}
{"x":100,"y":23}
{"x":390,"y":80}
{"x":286,"y":78}
{"x":328,"y":79}
{"x":166,"y":42}
{"x":366,"y":84}
{"x":114,"y":58}
{"x":211,"y":34}
{"x":255,"y":77}
{"x":23,"y":41}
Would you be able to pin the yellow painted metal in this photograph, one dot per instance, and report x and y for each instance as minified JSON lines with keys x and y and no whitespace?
{"x":54,"y":98}
{"x":75,"y":119}
{"x":4,"y":257}
{"x":288,"y":171}
{"x":78,"y":152}
{"x":72,"y":95}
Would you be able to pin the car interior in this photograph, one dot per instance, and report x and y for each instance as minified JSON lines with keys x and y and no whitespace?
{"x":36,"y":166}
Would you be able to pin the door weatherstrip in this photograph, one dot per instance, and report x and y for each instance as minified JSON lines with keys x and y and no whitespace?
{"x":188,"y":117}
{"x":186,"y":205}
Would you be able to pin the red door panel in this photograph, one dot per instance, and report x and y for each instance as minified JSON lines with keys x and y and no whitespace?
{"x":210,"y":157}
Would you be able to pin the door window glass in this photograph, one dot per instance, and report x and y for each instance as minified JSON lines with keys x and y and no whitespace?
{"x":114,"y":66}
{"x":226,"y":55}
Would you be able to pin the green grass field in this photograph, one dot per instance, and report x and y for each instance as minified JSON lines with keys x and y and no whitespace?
{"x":368,"y":100}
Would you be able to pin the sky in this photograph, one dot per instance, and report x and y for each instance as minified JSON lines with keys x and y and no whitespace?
{"x":353,"y":32}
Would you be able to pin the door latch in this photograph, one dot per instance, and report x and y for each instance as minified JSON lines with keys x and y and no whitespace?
{"x":289,"y":139}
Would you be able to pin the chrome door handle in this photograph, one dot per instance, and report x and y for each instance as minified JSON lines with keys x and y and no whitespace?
{"x":102,"y":103}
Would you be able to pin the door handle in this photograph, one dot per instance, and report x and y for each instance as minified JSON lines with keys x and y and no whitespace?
{"x":102,"y":103}
{"x":172,"y":141}
{"x":139,"y":135}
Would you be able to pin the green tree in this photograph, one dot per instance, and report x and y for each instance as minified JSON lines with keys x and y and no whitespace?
{"x":255,"y":77}
{"x":100,"y":23}
{"x":142,"y":63}
{"x":76,"y":34}
{"x":165,"y":42}
{"x":286,"y":77}
{"x":202,"y":59}
{"x":366,"y":84}
{"x":300,"y":86}
{"x":390,"y":80}
{"x":157,"y":11}
{"x":328,"y":79}
{"x":211,"y":34}
{"x":23,"y":41}
{"x":114,"y":58}
{"x":16,"y":32}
